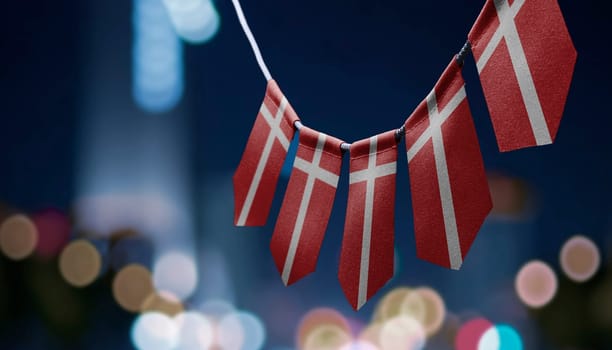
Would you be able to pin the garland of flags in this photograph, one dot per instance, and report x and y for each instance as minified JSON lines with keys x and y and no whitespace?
{"x":525,"y":59}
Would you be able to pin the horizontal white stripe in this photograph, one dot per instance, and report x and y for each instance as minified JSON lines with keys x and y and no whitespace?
{"x":436,"y":123}
{"x":497,"y":37}
{"x":317,"y":172}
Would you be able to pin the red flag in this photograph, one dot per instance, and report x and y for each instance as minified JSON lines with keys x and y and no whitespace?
{"x":257,"y":174}
{"x":308,"y":202}
{"x":366,"y":260}
{"x":450,"y":194}
{"x":525,"y":58}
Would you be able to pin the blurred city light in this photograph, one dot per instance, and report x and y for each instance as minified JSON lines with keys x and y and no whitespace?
{"x":132,"y":286}
{"x":371,"y":334}
{"x":18,"y":237}
{"x":434,"y":310}
{"x":216,"y":309}
{"x":536,"y":284}
{"x":327,"y":337}
{"x":195,"y":331}
{"x":490,"y":340}
{"x":195,"y":21}
{"x":157,"y":58}
{"x":511,"y":197}
{"x":360,"y":345}
{"x":401,"y":333}
{"x":317,"y":318}
{"x":391,"y":304}
{"x":248,"y":326}
{"x":469,"y":335}
{"x":509,"y":338}
{"x":80,"y":263}
{"x":163,"y":302}
{"x":231,"y":333}
{"x":53,"y":229}
{"x":500,"y":337}
{"x":580,"y":258}
{"x":176,"y":272}
{"x":154,"y":331}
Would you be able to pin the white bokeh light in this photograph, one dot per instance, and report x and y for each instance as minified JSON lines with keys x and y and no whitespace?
{"x":195,"y":21}
{"x":154,"y":331}
{"x":157,"y":56}
{"x":176,"y":272}
{"x":230,"y":333}
{"x":194,"y":331}
{"x":490,"y":340}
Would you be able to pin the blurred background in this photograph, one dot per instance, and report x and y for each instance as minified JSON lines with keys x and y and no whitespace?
{"x":122,"y":124}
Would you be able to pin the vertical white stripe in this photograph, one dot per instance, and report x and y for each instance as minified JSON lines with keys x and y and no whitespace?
{"x":275,"y":131}
{"x":299,"y":222}
{"x":368,"y":212}
{"x":446,"y":196}
{"x":523,"y":74}
{"x":442,"y":116}
{"x":496,"y":38}
{"x":507,"y":30}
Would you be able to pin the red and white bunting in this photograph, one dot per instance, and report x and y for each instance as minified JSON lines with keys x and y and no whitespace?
{"x":366,"y":260}
{"x":307,"y":205}
{"x":525,"y":58}
{"x":257,"y":174}
{"x":450,"y":194}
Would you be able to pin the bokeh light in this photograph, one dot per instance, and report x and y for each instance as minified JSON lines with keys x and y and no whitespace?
{"x":359,"y":345}
{"x":510,"y":196}
{"x":163,"y":302}
{"x":391,"y":304}
{"x":371,"y":334}
{"x":432,"y":306}
{"x":132,"y":286}
{"x":401,"y":333}
{"x":500,"y":337}
{"x":194,"y":331}
{"x":158,"y":81}
{"x":327,"y":337}
{"x":320,"y":317}
{"x":80,"y":263}
{"x":53,"y":232}
{"x":195,"y":21}
{"x":230,"y":333}
{"x":176,"y":272}
{"x":580,"y":258}
{"x":470,"y":333}
{"x":154,"y":331}
{"x":255,"y":331}
{"x":536,"y":284}
{"x":18,"y":237}
{"x":217,"y":308}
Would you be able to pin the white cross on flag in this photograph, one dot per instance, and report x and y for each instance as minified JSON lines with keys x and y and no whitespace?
{"x":257,"y":174}
{"x":307,"y":205}
{"x":525,"y":58}
{"x":366,"y":260}
{"x":450,"y":194}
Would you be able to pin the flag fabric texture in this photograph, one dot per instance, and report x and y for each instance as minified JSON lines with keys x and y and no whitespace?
{"x":366,"y":259}
{"x":257,"y":174}
{"x":307,"y":205}
{"x":450,"y":194}
{"x":525,"y":58}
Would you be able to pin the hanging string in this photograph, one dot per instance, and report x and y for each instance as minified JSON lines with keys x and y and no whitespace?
{"x":399,"y":133}
{"x":249,"y":35}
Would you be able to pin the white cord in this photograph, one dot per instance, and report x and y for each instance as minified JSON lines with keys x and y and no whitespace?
{"x":249,"y":34}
